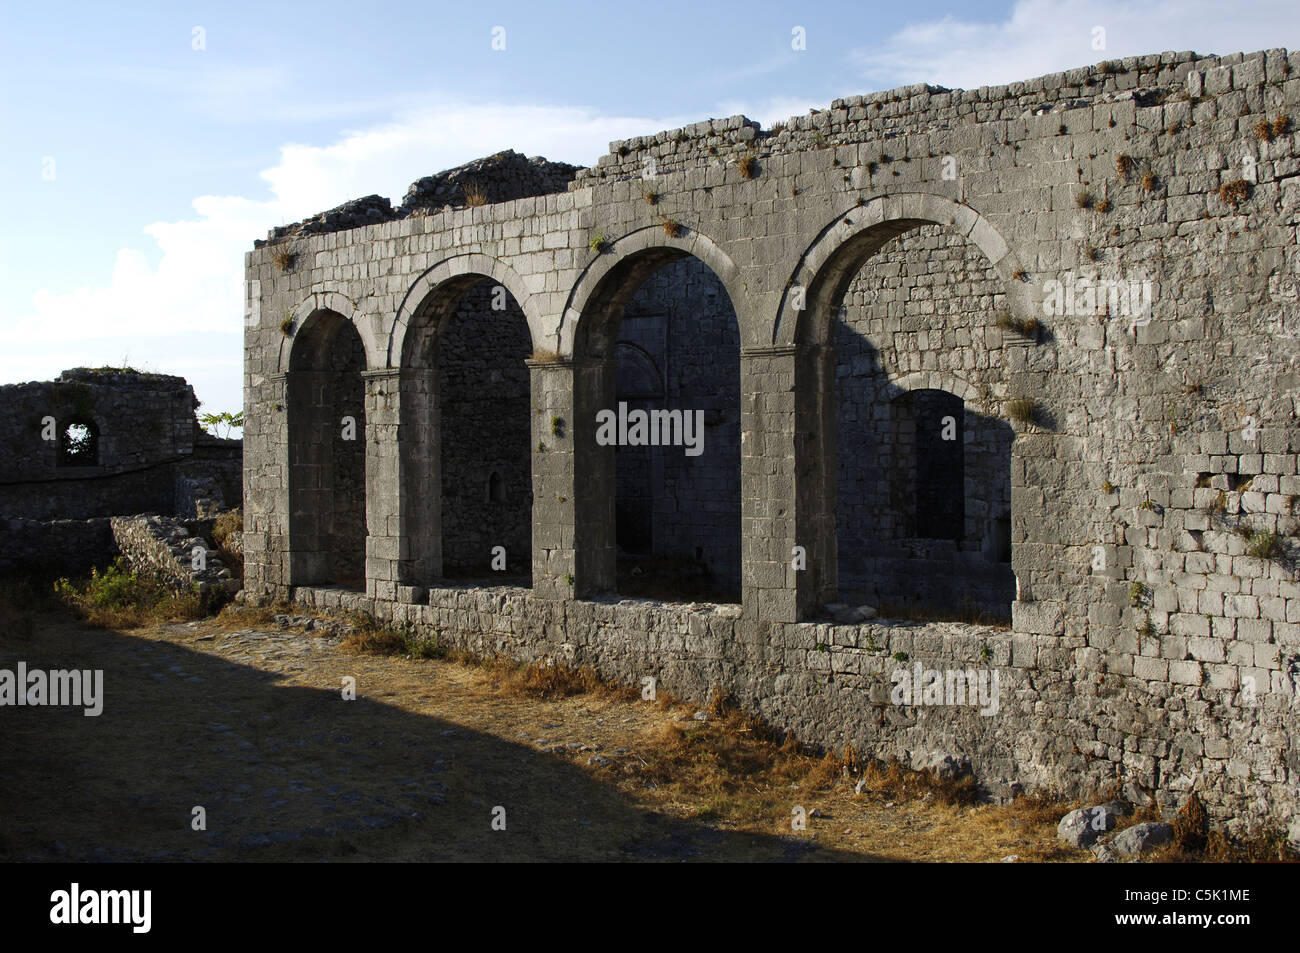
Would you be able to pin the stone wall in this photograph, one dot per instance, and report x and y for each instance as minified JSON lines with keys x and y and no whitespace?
{"x":165,"y":548}
{"x":1152,"y":429}
{"x":48,"y":548}
{"x":148,"y":451}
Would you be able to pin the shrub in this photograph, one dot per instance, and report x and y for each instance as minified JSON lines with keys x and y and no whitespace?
{"x":1124,"y":166}
{"x":116,"y":597}
{"x":672,"y":228}
{"x":598,"y":244}
{"x":1083,"y":198}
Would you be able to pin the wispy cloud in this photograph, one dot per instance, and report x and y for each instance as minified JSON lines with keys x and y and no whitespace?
{"x":1043,"y":36}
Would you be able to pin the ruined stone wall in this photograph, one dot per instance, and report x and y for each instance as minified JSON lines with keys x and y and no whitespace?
{"x":149,"y":453}
{"x":46,"y":548}
{"x":1156,"y":619}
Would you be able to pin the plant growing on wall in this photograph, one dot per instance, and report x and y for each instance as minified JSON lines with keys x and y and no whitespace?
{"x":1025,"y":327}
{"x":672,"y":227}
{"x":283,"y":257}
{"x":1234,"y":193}
{"x":1023,"y":410}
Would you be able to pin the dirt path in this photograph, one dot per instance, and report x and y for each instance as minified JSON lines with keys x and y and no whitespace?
{"x":251,"y":725}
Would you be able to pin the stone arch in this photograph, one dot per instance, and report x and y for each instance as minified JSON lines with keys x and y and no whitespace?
{"x":463,"y":272}
{"x":326,"y":420}
{"x":645,"y":377}
{"x":320,"y":302}
{"x":873,"y":545}
{"x":937,"y":380}
{"x":465,"y":421}
{"x":602,"y":290}
{"x":835,"y":257}
{"x":671,"y":505}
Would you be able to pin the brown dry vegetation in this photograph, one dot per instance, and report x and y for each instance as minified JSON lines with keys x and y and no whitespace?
{"x":589,"y":769}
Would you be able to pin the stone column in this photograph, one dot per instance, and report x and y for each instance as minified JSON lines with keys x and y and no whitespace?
{"x":787,"y":480}
{"x":419,"y":500}
{"x":309,"y":477}
{"x":266,"y":487}
{"x":384,"y":542}
{"x":574,"y":552}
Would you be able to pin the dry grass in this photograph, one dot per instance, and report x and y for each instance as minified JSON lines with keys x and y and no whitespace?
{"x":1149,"y":180}
{"x":1083,"y":199}
{"x":1026,"y":327}
{"x":650,"y":197}
{"x":1124,"y":166}
{"x":1281,"y":125}
{"x":1234,"y":193}
{"x":1023,"y":410}
{"x":970,"y":615}
{"x":231,"y":521}
{"x":748,"y":167}
{"x":672,"y":227}
{"x":666,"y":786}
{"x":1103,"y":206}
{"x":1264,"y":131}
{"x":475,"y":196}
{"x":283,"y":257}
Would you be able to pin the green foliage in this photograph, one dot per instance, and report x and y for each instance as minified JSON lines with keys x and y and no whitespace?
{"x":116,"y":597}
{"x":224,"y":419}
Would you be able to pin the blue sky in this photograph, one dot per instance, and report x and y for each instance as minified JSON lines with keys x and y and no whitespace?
{"x":142,"y":157}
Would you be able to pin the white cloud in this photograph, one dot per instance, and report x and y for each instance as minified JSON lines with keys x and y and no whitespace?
{"x":197,"y":287}
{"x":1043,"y":36}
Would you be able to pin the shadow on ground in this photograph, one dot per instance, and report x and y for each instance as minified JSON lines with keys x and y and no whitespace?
{"x":293,"y":773}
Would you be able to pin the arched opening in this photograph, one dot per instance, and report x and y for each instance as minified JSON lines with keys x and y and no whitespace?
{"x":327,"y":454}
{"x":662,"y":330}
{"x":467,"y":426}
{"x":922,"y":479}
{"x":79,"y":443}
